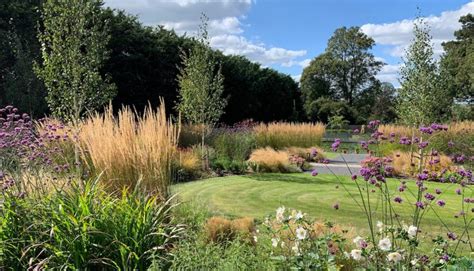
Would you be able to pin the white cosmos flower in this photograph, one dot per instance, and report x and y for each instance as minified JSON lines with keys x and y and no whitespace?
{"x":412,"y":230}
{"x":359,"y":241}
{"x":385,"y":244}
{"x":394,"y":257}
{"x":356,"y":254}
{"x":275,"y":242}
{"x":414,"y":262}
{"x":299,"y":215}
{"x":255,"y":239}
{"x":279,"y":213}
{"x":301,"y":233}
{"x":380,"y":225}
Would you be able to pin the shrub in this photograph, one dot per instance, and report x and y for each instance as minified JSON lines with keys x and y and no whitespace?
{"x":313,"y":154}
{"x":270,"y":160}
{"x":188,"y":165}
{"x":233,"y":145}
{"x":131,"y":147}
{"x":281,"y":135}
{"x":190,"y":135}
{"x":221,"y":230}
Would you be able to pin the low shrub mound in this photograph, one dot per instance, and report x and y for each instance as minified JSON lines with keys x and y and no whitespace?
{"x":281,"y":135}
{"x":270,"y":160}
{"x":222,"y":230}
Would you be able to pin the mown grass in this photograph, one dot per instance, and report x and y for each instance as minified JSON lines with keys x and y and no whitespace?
{"x":260,"y":194}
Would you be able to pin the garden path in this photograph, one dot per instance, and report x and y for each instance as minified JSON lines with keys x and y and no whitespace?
{"x":343,"y":164}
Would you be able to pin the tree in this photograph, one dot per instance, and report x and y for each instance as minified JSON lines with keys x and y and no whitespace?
{"x":457,"y":64}
{"x":19,"y":48}
{"x":343,"y":71}
{"x":201,"y":84}
{"x":421,"y":94}
{"x":74,"y":43}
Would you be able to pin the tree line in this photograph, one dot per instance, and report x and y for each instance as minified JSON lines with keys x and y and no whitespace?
{"x":136,"y":65}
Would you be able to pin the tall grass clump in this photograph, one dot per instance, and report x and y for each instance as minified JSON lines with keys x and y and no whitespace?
{"x":86,"y":228}
{"x":131,"y":147}
{"x":279,"y":135}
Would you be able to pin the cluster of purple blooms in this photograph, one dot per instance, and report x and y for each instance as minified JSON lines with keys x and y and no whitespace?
{"x":21,"y":145}
{"x":375,"y":170}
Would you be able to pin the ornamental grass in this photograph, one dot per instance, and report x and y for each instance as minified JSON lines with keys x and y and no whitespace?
{"x":279,"y":135}
{"x":131,"y":147}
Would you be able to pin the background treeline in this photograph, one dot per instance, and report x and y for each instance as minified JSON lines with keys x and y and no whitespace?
{"x":339,"y":85}
{"x":143,"y":63}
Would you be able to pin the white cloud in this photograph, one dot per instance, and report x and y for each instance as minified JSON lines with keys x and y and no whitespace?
{"x":152,"y":12}
{"x":225,"y":26}
{"x":297,"y":78}
{"x":398,"y":35}
{"x":389,"y":73}
{"x":259,"y":52}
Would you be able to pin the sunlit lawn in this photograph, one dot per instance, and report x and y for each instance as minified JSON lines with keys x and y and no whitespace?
{"x":259,"y":195}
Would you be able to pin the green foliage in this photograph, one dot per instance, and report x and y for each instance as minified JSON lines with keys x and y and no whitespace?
{"x":234,"y":145}
{"x":337,"y":122}
{"x":343,"y":72}
{"x":85,"y":228}
{"x":200,"y":83}
{"x":421,"y":98}
{"x":236,"y":255}
{"x":19,"y":47}
{"x":457,"y":64}
{"x":74,"y":47}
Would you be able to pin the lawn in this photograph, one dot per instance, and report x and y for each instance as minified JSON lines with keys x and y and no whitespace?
{"x":260,"y":194}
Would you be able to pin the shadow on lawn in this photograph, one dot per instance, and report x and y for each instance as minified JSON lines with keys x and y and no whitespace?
{"x":291,"y":178}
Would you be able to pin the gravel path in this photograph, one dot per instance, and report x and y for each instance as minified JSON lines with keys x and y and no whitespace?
{"x":343,"y":164}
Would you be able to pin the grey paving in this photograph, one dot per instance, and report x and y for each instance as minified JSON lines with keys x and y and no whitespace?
{"x":343,"y":164}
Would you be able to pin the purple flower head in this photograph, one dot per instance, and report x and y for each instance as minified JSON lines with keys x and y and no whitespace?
{"x":356,"y":131}
{"x":452,"y":236}
{"x":373,"y":124}
{"x":405,"y":141}
{"x":438,"y":191}
{"x":420,"y":205}
{"x":458,"y":191}
{"x":441,"y":203}
{"x":314,"y":152}
{"x":445,"y":257}
{"x":314,"y":173}
{"x":392,"y":134}
{"x":398,"y":199}
{"x":423,"y":176}
{"x":423,"y":145}
{"x":450,"y":144}
{"x":354,"y":177}
{"x":336,"y":206}
{"x":426,"y":130}
{"x":429,"y":196}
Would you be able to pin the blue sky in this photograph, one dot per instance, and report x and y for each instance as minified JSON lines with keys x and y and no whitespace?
{"x":287,"y":34}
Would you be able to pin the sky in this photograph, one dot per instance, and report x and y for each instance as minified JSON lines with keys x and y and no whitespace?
{"x":287,"y":34}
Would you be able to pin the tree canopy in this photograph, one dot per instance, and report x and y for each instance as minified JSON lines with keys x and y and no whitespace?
{"x":458,"y":61}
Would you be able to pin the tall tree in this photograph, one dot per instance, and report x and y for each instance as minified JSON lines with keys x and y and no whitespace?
{"x":345,"y":70}
{"x":421,"y":92}
{"x":457,"y":64}
{"x":19,"y":48}
{"x":201,"y":84}
{"x":74,"y":42}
